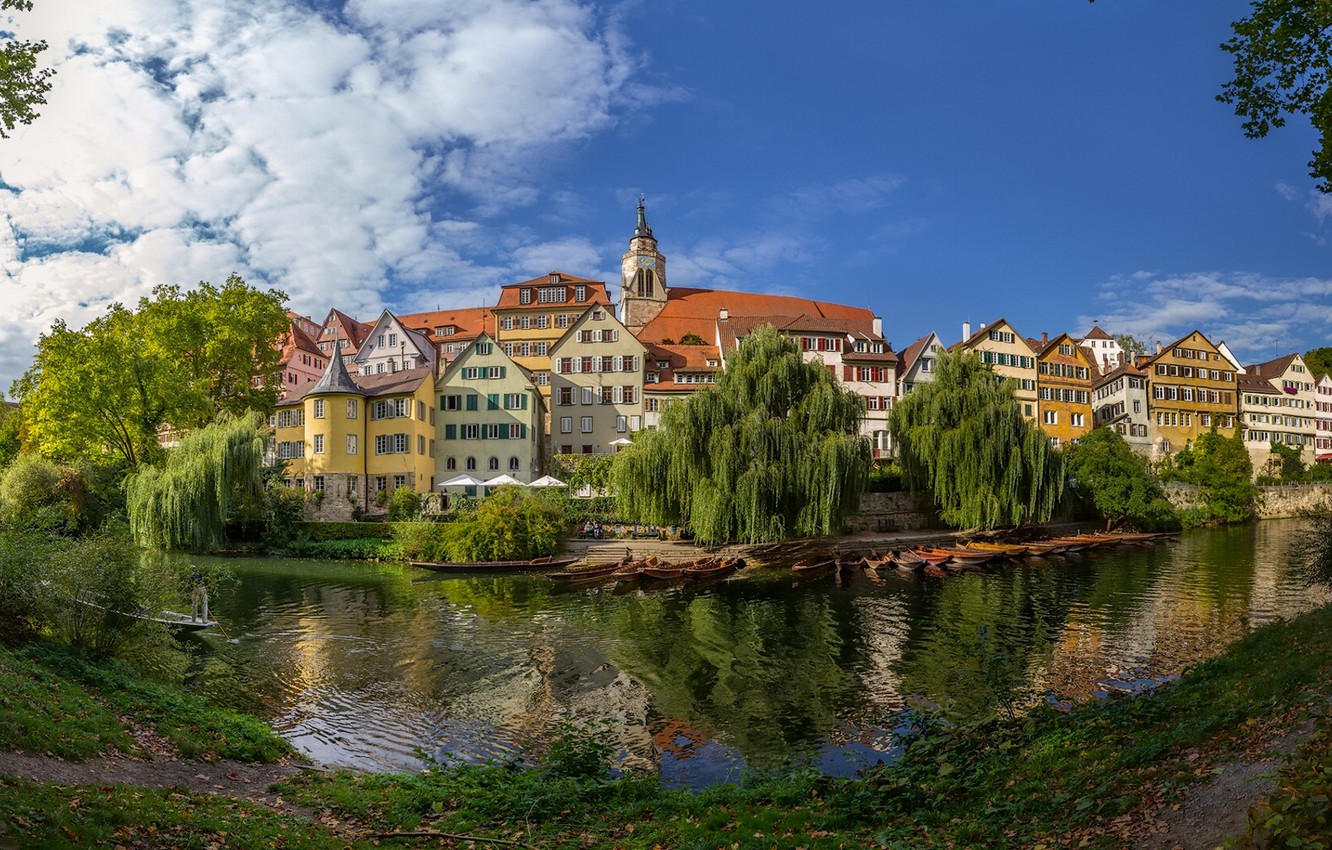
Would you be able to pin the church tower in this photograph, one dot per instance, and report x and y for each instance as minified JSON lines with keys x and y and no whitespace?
{"x":642,"y":277}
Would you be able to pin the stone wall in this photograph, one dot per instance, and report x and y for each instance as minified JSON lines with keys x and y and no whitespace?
{"x":1273,"y":502}
{"x":889,"y":512}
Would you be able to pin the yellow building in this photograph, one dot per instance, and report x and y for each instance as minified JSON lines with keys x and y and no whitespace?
{"x":532,"y":316}
{"x":1005,"y":351}
{"x":1063,"y":389}
{"x":1193,"y":388}
{"x":352,"y":439}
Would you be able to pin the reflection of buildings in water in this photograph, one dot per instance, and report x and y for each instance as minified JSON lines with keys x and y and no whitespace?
{"x":883,"y":623}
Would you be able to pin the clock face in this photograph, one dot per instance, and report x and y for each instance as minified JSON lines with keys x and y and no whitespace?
{"x":647,"y":262}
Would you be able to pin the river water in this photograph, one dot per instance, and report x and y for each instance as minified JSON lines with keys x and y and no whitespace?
{"x":374,"y":666}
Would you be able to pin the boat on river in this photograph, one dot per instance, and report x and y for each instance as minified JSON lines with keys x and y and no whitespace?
{"x":1008,"y":550}
{"x":173,"y":620}
{"x":543,"y":563}
{"x":905,"y":559}
{"x":815,"y":565}
{"x":719,"y":567}
{"x":960,"y":557}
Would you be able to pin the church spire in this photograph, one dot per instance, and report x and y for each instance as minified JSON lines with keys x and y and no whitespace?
{"x":643,"y":228}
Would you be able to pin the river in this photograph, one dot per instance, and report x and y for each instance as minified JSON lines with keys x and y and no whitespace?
{"x":372,"y":666}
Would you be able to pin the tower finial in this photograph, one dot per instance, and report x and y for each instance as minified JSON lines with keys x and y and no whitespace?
{"x":642,"y":229}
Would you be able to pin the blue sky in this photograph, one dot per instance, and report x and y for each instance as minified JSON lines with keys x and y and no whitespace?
{"x":1054,"y":163}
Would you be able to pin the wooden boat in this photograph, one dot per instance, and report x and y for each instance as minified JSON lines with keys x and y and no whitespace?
{"x":173,"y":620}
{"x":587,"y":573}
{"x":1045,"y":547}
{"x":725,"y":566}
{"x":664,"y":572}
{"x":544,"y":563}
{"x":930,"y":556}
{"x":960,"y":557}
{"x":1071,"y":544}
{"x":1008,"y":550}
{"x":935,"y":570}
{"x":815,"y":565}
{"x":905,"y":559}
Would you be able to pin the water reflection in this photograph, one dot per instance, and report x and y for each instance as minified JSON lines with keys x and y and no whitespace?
{"x":372,"y":666}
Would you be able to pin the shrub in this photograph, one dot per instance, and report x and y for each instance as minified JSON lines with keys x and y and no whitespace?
{"x":284,"y":514}
{"x":511,"y":524}
{"x":342,"y":530}
{"x":404,"y":505}
{"x":32,"y":493}
{"x":363,"y":549}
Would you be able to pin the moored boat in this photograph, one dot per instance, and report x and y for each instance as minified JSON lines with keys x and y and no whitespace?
{"x":930,"y":556}
{"x":543,"y":563}
{"x":1008,"y":550}
{"x":815,"y":564}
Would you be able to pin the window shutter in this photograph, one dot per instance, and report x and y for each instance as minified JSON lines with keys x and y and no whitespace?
{"x":523,"y":403}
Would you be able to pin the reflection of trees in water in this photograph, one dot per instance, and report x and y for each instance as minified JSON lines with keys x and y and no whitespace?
{"x":767,"y":671}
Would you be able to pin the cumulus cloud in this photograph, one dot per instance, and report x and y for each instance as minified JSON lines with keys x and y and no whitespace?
{"x":1259,"y":317}
{"x":305,"y":149}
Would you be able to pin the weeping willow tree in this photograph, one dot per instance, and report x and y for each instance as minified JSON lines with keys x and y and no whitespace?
{"x":772,"y":451}
{"x":185,"y":504}
{"x":963,"y":438}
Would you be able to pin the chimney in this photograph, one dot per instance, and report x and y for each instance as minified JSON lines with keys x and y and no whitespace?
{"x":966,"y":331}
{"x":1158,"y":346}
{"x":1045,"y":338}
{"x":724,"y":315}
{"x":878,"y":326}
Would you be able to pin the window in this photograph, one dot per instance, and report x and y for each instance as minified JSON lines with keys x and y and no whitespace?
{"x":351,"y":444}
{"x":319,"y":483}
{"x":290,"y":418}
{"x":493,"y":401}
{"x":585,"y":424}
{"x":566,"y":424}
{"x":393,"y":408}
{"x":319,"y":408}
{"x":586,"y":395}
{"x":564,"y":396}
{"x":351,"y":486}
{"x":352,"y":407}
{"x":471,"y":432}
{"x":1076,"y":420}
{"x":1051,"y":417}
{"x":450,"y":463}
{"x":387,"y":444}
{"x":580,"y":293}
{"x":291,"y":449}
{"x":420,"y":444}
{"x":621,"y":424}
{"x":318,"y":444}
{"x":493,"y":464}
{"x":471,"y":464}
{"x":399,"y":481}
{"x":552,"y":295}
{"x":380,"y":483}
{"x":525,"y":296}
{"x":472,"y":401}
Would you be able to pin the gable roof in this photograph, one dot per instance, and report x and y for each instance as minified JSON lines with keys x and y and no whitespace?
{"x":679,"y":359}
{"x":1273,"y":368}
{"x":347,"y":328}
{"x":452,"y":366}
{"x":1254,"y":384}
{"x":695,"y":311}
{"x":423,"y":346}
{"x":511,"y":293}
{"x":912,"y":352}
{"x":984,"y":330}
{"x":1097,"y":333}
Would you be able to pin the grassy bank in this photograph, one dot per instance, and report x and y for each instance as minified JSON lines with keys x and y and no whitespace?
{"x":1077,"y":779}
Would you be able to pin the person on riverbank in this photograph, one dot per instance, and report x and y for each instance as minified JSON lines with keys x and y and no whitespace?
{"x":198,"y":596}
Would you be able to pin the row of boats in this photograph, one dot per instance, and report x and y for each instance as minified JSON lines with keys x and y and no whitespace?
{"x":968,"y":555}
{"x":630,"y":569}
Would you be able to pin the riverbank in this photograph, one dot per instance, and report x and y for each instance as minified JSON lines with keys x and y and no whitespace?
{"x":1109,"y":774}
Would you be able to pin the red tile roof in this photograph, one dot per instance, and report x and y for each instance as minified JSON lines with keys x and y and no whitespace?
{"x":510,"y":297}
{"x":695,"y":311}
{"x":1273,"y":368}
{"x":1097,"y":333}
{"x":468,"y":323}
{"x":681,"y":358}
{"x":912,"y":353}
{"x":349,"y":329}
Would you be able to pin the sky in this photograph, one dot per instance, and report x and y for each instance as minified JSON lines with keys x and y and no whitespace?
{"x":1054,"y":162}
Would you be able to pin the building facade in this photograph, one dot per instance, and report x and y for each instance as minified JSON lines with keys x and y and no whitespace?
{"x":596,"y":384}
{"x":1291,"y":416}
{"x":491,"y":419}
{"x":533,"y":315}
{"x":1120,"y":400}
{"x":391,"y":346}
{"x":1323,"y":412}
{"x":1193,"y":389}
{"x":1063,"y":390}
{"x":1004,"y":350}
{"x":917,"y":362}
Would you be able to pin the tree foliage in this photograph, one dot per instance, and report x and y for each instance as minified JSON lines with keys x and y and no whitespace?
{"x":1284,"y":463}
{"x":511,"y":524}
{"x":1131,"y":344}
{"x":1319,"y":360}
{"x":1221,"y":468}
{"x":23,"y":83}
{"x":185,"y":505}
{"x":1282,"y":55}
{"x":772,"y":451}
{"x":176,"y":360}
{"x":1118,"y":482}
{"x":963,"y":437}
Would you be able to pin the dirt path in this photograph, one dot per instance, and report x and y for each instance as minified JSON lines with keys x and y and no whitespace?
{"x":1212,"y":812}
{"x":223,"y":778}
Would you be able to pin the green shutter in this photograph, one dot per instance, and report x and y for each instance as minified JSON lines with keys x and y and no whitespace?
{"x":523,"y":406}
{"x":522,"y":430}
{"x":471,"y":401}
{"x":492,"y":401}
{"x":501,"y":370}
{"x":450,"y":432}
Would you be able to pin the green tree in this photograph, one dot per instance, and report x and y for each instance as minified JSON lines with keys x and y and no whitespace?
{"x":1319,"y":360}
{"x":1131,"y":344}
{"x":772,"y":451}
{"x":692,"y":339}
{"x":177,"y":360}
{"x":1221,"y":468}
{"x":963,"y":437}
{"x":186,"y":504}
{"x":11,"y":422}
{"x":1282,"y":55}
{"x":511,"y":524}
{"x":23,"y":83}
{"x":1284,"y":463}
{"x":1118,"y":482}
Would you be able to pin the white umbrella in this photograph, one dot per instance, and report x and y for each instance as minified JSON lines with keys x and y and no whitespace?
{"x":548,"y":481}
{"x":501,"y":480}
{"x":621,"y":442}
{"x":461,"y":481}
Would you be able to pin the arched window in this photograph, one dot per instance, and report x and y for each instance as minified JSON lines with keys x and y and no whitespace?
{"x":450,"y":463}
{"x":471,"y":464}
{"x":513,"y":464}
{"x":644,"y":283}
{"x":494,"y":464}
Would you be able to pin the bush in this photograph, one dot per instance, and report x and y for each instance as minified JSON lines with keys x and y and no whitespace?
{"x":317,"y":531}
{"x":885,"y":479}
{"x":404,"y":506}
{"x":284,"y":514}
{"x":32,"y":493}
{"x":363,"y":549}
{"x":509,"y":525}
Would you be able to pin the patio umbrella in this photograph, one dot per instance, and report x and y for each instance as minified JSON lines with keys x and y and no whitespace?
{"x":460,"y":481}
{"x":501,"y":480}
{"x":548,"y":481}
{"x":621,"y":442}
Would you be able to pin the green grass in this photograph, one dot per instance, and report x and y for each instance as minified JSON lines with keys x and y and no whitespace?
{"x":64,"y":703}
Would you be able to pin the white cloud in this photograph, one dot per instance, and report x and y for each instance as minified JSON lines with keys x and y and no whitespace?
{"x":186,"y":140}
{"x":1258,"y":316}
